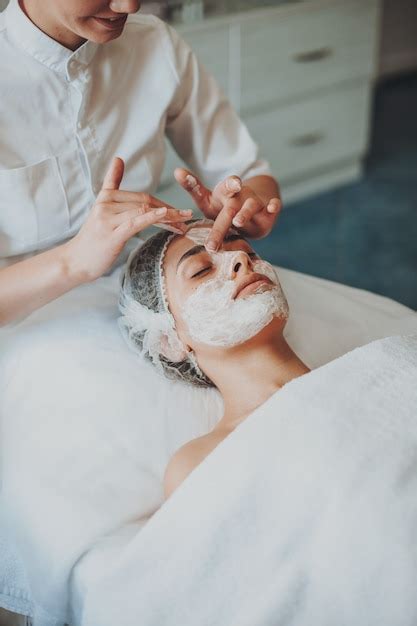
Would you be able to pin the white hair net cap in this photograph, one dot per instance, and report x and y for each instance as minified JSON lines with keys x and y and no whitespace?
{"x":146,"y":321}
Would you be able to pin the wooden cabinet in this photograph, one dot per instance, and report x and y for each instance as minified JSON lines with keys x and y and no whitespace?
{"x":301,"y":77}
{"x":304,"y":138}
{"x":286,"y":56}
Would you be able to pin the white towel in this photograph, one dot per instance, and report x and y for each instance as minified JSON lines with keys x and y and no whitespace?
{"x":306,"y":514}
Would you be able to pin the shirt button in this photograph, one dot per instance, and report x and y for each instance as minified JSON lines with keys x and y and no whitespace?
{"x":79,"y":125}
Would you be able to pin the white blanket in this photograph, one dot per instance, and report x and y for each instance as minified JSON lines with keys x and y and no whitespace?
{"x":306,"y":514}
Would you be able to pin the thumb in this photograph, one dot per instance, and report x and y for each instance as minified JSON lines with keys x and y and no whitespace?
{"x":114,"y":174}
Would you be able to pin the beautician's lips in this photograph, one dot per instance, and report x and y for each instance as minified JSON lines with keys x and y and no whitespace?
{"x":111,"y":24}
{"x":251,"y":283}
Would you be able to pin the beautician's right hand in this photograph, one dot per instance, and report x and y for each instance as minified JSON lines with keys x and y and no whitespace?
{"x":115,"y":217}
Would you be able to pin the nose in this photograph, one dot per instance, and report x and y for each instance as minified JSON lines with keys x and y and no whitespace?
{"x":124,"y":6}
{"x":241,"y":263}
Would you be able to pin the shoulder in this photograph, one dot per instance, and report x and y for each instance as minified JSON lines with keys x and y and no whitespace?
{"x":186,"y":459}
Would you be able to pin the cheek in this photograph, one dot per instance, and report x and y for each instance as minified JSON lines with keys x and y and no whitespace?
{"x":87,"y":9}
{"x":175,"y":296}
{"x":175,"y":308}
{"x":180,"y":325}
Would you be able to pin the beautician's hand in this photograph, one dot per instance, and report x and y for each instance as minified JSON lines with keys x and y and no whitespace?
{"x":231,"y":202}
{"x":115,"y":217}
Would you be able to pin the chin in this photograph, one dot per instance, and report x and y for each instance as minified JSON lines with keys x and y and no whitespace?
{"x":94,"y":33}
{"x":268,"y":334}
{"x":100,"y":37}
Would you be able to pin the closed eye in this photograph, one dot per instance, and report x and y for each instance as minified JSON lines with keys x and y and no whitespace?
{"x":201,"y":272}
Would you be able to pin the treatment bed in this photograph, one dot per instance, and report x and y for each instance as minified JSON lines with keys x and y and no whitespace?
{"x":87,"y":432}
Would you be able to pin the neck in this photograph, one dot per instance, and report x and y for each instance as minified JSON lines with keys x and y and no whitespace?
{"x":247,"y":380}
{"x":44,"y":20}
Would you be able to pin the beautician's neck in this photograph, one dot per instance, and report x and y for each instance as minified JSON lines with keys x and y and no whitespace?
{"x":41,"y":17}
{"x":245,"y":383}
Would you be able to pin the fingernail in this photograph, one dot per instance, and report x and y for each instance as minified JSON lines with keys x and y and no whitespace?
{"x":186,"y":212}
{"x":161,"y":211}
{"x":238,"y":221}
{"x":211,"y":245}
{"x":191,"y":181}
{"x":233,"y":185}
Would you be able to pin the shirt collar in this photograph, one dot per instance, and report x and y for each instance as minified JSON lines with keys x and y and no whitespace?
{"x":39,"y":45}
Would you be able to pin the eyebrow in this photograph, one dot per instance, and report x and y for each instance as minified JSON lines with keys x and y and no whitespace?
{"x":191,"y":252}
{"x":200,"y":248}
{"x":234,"y":237}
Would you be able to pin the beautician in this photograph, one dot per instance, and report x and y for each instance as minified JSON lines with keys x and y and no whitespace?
{"x":69,"y":105}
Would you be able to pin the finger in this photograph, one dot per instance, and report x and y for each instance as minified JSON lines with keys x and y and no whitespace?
{"x":221,"y":226}
{"x":180,"y":215}
{"x":227,"y":188}
{"x":274,"y":205}
{"x":250,"y":207}
{"x":114,"y":174}
{"x":138,"y":197}
{"x":199,"y":193}
{"x":172,"y":215}
{"x":129,"y":228}
{"x":122,"y":207}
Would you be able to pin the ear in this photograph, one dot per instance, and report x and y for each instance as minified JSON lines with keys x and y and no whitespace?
{"x":173,"y":348}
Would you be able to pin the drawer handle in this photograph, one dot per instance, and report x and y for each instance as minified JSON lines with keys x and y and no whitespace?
{"x":313,"y":55}
{"x":309,"y":139}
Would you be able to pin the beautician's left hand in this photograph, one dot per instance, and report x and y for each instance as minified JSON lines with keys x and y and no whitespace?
{"x":231,"y":203}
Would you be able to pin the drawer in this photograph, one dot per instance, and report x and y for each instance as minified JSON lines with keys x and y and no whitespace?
{"x":305,"y":136}
{"x":286,"y":55}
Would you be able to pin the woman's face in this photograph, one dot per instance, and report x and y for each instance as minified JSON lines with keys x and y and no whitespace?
{"x":200,"y":280}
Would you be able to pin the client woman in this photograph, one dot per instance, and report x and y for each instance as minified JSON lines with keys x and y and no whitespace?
{"x":211,"y":319}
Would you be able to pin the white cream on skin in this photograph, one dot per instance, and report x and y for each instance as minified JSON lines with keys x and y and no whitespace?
{"x":193,"y":184}
{"x":214,"y":317}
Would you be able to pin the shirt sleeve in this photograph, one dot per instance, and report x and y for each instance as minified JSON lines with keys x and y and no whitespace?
{"x":202,"y":126}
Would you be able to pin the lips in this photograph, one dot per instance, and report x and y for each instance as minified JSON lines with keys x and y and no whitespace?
{"x":250,"y":284}
{"x":111,"y":23}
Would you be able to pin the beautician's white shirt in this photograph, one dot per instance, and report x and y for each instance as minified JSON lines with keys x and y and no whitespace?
{"x":64,"y":115}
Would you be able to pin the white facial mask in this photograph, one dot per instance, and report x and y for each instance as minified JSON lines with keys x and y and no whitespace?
{"x":214,"y":317}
